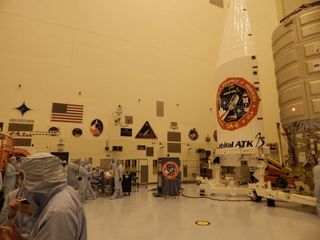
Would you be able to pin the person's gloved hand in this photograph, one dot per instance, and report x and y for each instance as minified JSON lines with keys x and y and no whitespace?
{"x":4,"y":235}
{"x":10,"y":233}
{"x":13,"y":207}
{"x":26,"y":208}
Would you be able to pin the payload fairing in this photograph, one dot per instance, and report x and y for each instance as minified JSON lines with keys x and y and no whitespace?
{"x":238,"y":107}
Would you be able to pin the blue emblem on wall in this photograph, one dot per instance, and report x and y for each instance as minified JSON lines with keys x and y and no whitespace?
{"x":23,"y":108}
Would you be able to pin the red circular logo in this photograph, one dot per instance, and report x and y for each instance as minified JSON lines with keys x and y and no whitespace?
{"x":237,"y":103}
{"x":170,"y":170}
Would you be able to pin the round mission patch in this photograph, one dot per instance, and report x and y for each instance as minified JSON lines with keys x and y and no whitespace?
{"x":237,"y":103}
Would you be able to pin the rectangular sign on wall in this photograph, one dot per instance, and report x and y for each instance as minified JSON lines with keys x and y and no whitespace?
{"x":149,"y":152}
{"x":26,"y":142}
{"x":126,"y":132}
{"x":174,"y":136}
{"x":141,"y":147}
{"x":160,"y":109}
{"x":174,"y":147}
{"x":20,"y":125}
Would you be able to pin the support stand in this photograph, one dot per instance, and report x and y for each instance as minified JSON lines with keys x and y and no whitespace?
{"x":171,"y":188}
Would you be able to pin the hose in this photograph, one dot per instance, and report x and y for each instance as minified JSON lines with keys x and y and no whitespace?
{"x":214,"y":199}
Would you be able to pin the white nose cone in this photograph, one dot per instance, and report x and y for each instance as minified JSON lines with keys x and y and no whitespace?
{"x":237,"y":93}
{"x":237,"y":41}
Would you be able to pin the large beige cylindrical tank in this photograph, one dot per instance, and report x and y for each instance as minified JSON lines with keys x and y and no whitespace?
{"x":296,"y":52}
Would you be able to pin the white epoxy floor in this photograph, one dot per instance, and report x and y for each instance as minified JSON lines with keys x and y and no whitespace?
{"x":142,"y":216}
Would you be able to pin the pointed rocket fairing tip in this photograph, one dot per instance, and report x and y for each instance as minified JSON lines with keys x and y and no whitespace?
{"x":237,"y":37}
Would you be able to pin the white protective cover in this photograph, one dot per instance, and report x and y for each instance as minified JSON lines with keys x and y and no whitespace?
{"x":237,"y":85}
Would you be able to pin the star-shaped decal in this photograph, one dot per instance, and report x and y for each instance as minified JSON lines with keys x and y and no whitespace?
{"x":23,"y":108}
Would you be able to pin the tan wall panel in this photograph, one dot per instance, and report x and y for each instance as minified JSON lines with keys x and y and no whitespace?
{"x":57,"y":11}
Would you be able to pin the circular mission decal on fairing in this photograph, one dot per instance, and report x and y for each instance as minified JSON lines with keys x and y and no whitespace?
{"x":237,"y":103}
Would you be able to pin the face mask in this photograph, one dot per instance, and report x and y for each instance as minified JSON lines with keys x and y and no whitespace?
{"x":36,"y":199}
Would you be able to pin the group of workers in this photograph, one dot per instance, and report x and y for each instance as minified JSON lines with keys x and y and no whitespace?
{"x":79,"y":177}
{"x":42,"y":202}
{"x":82,"y":176}
{"x":44,"y":197}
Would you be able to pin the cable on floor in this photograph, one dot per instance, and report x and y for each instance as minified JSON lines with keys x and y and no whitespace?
{"x":215,"y":199}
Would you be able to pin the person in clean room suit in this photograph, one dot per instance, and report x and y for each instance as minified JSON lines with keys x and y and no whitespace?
{"x":10,"y":176}
{"x":57,"y":210}
{"x":84,"y":180}
{"x":91,"y":193}
{"x":65,"y":167}
{"x":16,"y":209}
{"x":72,"y":174}
{"x":118,"y":176}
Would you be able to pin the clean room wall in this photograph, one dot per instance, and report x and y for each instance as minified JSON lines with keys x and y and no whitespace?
{"x":116,"y":52}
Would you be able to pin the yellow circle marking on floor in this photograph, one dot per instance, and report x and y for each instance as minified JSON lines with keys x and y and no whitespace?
{"x":203,"y":223}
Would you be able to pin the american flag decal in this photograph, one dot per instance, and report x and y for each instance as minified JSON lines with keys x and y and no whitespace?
{"x":67,"y":113}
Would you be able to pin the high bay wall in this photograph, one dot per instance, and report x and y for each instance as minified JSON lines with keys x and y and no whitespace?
{"x":101,"y":54}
